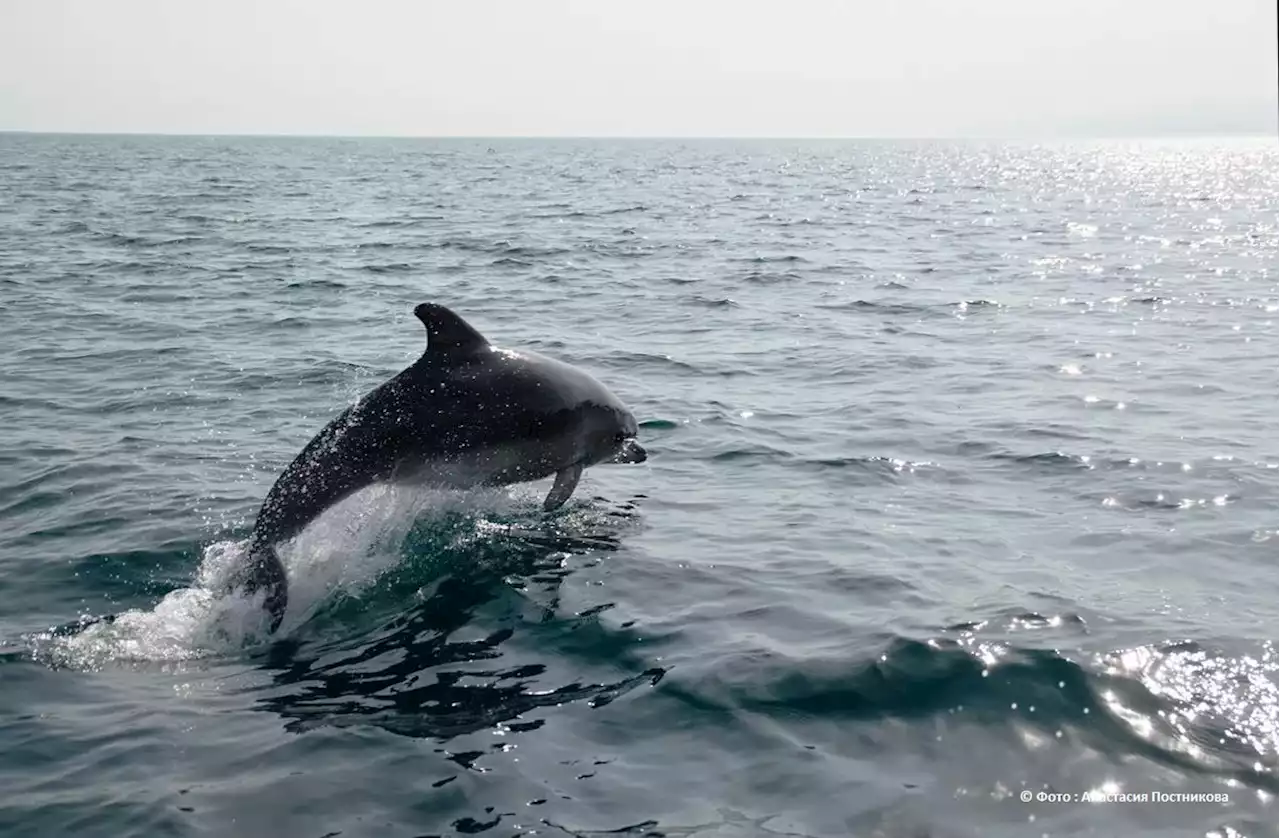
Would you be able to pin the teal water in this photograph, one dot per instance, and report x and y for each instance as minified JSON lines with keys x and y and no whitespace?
{"x":962,"y":485}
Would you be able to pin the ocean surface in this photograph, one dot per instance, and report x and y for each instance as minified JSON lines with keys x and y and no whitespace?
{"x":962,"y":490}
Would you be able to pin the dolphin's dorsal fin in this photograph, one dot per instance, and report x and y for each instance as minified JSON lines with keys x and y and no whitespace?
{"x":447,"y":333}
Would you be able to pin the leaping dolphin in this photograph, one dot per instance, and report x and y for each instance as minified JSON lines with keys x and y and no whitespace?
{"x":463,"y":415}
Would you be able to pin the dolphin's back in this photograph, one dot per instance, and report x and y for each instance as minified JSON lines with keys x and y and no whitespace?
{"x":345,"y":455}
{"x":500,"y":396}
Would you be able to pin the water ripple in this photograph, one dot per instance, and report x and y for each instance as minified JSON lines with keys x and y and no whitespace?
{"x":962,"y":485}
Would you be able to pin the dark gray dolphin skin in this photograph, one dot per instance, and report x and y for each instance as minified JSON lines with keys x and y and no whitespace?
{"x":465,"y":414}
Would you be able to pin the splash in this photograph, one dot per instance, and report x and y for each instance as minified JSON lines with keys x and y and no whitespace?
{"x":340,"y":555}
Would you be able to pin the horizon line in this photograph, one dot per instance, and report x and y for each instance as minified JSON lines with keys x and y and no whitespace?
{"x":1171,"y":135}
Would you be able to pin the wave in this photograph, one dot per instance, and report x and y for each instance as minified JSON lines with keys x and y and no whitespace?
{"x":877,"y":466}
{"x":390,"y":268}
{"x":132,"y":241}
{"x":1058,"y":460}
{"x":603,"y":213}
{"x":270,"y":249}
{"x":1179,"y":704}
{"x":649,"y":359}
{"x":789,"y":258}
{"x":400,"y":223}
{"x":914,"y":309}
{"x":770,"y":278}
{"x":910,"y":309}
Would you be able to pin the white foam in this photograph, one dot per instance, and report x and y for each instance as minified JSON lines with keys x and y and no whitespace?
{"x":344,"y":550}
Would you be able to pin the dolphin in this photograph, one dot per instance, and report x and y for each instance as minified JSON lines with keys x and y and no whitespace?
{"x":465,"y":414}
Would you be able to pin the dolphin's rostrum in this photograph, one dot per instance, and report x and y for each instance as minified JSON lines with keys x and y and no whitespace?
{"x":465,"y":414}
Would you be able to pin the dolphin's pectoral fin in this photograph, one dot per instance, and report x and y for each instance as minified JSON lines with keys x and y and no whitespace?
{"x":566,"y":482}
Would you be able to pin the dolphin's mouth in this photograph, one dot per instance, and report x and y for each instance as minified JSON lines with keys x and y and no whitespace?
{"x":630,"y":452}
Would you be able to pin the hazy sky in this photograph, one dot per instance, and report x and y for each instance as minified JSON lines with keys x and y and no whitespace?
{"x":644,"y":67}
